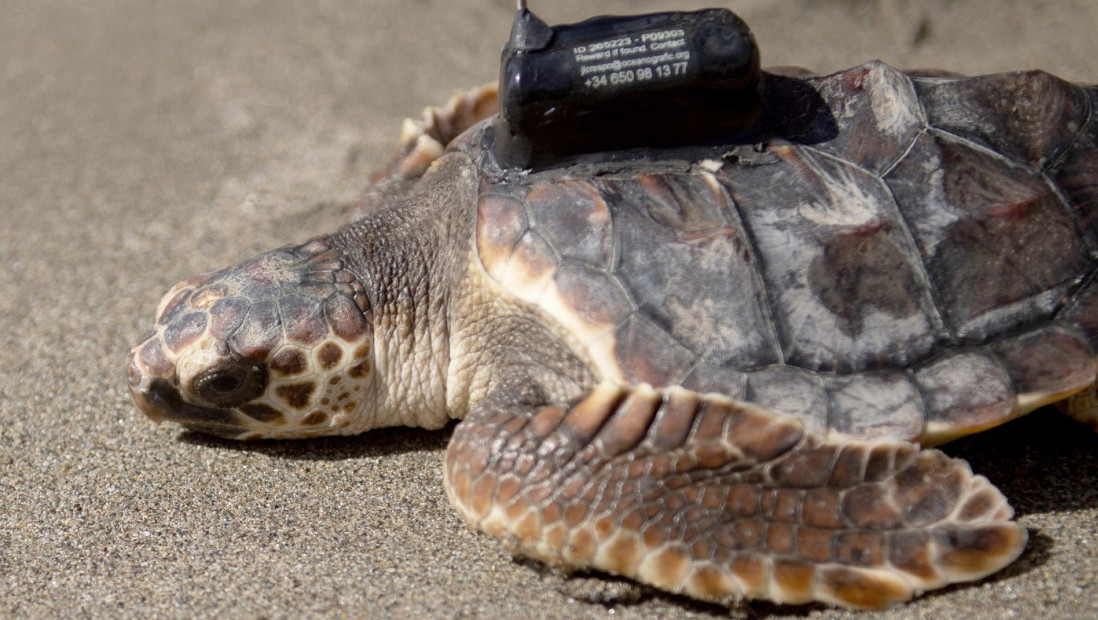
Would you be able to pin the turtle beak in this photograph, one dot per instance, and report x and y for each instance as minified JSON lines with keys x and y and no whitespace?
{"x":142,"y":392}
{"x":161,"y":401}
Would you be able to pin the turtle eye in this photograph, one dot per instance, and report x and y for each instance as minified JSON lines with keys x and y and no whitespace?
{"x":230,"y":385}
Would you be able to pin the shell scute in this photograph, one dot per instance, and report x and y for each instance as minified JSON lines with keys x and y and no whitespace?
{"x":1051,"y":360}
{"x":593,"y":294}
{"x":1028,"y":116}
{"x":892,"y":397}
{"x":303,"y":319}
{"x":859,"y":268}
{"x":646,"y":353}
{"x":709,"y":377}
{"x":686,"y":260}
{"x":951,"y":403}
{"x":185,"y":331}
{"x":846,"y":286}
{"x":501,"y":223}
{"x":574,"y":219}
{"x":999,"y":245}
{"x":1074,"y":174}
{"x":531,"y":267}
{"x":877,"y":113}
{"x":792,"y":391}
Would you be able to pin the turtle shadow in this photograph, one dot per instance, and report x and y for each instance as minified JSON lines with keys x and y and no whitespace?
{"x":1043,"y":463}
{"x":1038,"y":552}
{"x":611,"y":592}
{"x":376,"y":443}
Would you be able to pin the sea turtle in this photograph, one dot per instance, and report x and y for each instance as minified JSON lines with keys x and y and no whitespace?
{"x":705,"y":368}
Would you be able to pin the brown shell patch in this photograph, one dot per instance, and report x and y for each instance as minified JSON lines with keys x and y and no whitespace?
{"x":853,"y":288}
{"x":895,"y":403}
{"x":532,"y":264}
{"x":808,"y":209}
{"x":878,"y":111}
{"x":684,"y":259}
{"x":315,"y":418}
{"x":263,"y":413}
{"x":647,"y":354}
{"x":359,"y":370}
{"x":329,"y":355}
{"x":980,"y":220}
{"x":793,"y":392}
{"x":289,"y":362}
{"x":1075,"y":176}
{"x":296,"y":395}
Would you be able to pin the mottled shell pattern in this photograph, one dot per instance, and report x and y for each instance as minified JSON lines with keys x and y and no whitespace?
{"x":905,"y":257}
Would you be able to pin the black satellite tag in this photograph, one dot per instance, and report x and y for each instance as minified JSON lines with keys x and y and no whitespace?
{"x":624,"y":82}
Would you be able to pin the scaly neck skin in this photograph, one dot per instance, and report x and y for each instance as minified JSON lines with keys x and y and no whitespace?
{"x":410,"y":257}
{"x":445,"y":335}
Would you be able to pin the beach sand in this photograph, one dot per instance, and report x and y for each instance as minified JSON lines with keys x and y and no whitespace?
{"x":142,"y":142}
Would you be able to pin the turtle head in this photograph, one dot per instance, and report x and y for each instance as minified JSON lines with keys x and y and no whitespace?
{"x":278,"y":346}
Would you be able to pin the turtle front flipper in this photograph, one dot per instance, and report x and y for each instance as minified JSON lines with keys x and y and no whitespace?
{"x":720,"y":500}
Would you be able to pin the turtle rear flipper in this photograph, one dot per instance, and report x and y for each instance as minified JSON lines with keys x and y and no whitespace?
{"x":718,"y":499}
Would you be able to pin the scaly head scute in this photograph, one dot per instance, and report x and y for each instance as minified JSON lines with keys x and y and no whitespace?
{"x":278,"y":346}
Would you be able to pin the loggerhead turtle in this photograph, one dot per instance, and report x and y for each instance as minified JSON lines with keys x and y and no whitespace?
{"x":708,"y":369}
